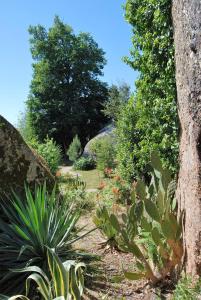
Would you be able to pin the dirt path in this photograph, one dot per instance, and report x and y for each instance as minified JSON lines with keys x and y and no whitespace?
{"x":111,"y":267}
{"x":68,"y":170}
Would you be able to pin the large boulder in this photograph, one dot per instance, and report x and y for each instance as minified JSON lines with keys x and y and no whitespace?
{"x":18,"y":163}
{"x":108,"y":131}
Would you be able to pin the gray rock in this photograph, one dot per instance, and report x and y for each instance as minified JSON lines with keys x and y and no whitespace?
{"x":106,"y":131}
{"x":18,"y":163}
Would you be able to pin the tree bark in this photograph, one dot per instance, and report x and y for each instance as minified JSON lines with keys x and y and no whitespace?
{"x":187,"y":35}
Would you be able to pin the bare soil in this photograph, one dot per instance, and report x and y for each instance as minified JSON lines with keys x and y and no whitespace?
{"x":104,"y":285}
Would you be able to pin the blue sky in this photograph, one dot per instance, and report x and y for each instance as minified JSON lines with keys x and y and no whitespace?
{"x":102,"y":18}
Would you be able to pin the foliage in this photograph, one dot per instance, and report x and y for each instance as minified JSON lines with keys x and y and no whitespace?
{"x":84,"y":163}
{"x":71,"y":182}
{"x":49,"y":151}
{"x":25,"y":128}
{"x":117,"y":98}
{"x":34,"y":223}
{"x":103,"y":150}
{"x":66,"y":94}
{"x":74,"y":192}
{"x":150,"y":229}
{"x":149,"y":121}
{"x":75,"y":149}
{"x":114,"y":191}
{"x":186,"y":289}
{"x":65,"y":280}
{"x":103,"y":221}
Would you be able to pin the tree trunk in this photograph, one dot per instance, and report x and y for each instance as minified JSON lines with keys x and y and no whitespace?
{"x":187,"y":35}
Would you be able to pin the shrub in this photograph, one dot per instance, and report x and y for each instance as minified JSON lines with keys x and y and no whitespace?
{"x":49,"y":151}
{"x":150,"y":119}
{"x":84,"y":163}
{"x":103,"y":149}
{"x":75,"y":149}
{"x":34,"y":223}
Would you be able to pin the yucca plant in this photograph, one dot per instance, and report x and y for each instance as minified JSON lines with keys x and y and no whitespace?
{"x":150,"y":230}
{"x":64,"y":281}
{"x":34,"y":223}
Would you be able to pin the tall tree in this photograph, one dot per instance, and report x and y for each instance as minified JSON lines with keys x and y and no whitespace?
{"x":66,"y":95}
{"x":187,"y":27}
{"x":118,"y":96}
{"x":151,"y":116}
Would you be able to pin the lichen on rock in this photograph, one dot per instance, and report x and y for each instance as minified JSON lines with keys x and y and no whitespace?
{"x":18,"y":163}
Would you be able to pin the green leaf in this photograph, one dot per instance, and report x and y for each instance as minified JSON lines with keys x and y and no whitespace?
{"x":156,"y":162}
{"x":139,"y":210}
{"x":134,"y":276}
{"x":156,"y":236}
{"x":152,"y":210}
{"x":146,"y":225}
{"x":115,"y":223}
{"x":141,"y":189}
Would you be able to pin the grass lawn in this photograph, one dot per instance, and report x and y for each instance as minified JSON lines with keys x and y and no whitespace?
{"x":92,"y":178}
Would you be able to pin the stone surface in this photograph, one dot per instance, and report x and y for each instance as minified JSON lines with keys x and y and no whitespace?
{"x":18,"y":163}
{"x":106,"y":131}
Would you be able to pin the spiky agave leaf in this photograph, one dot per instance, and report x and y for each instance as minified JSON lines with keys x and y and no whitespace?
{"x":36,"y":222}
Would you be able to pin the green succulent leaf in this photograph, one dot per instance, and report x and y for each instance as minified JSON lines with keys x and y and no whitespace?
{"x":152,"y":210}
{"x":134,"y":276}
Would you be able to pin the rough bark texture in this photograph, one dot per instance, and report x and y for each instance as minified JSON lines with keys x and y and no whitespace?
{"x":18,"y":163}
{"x":187,"y":27}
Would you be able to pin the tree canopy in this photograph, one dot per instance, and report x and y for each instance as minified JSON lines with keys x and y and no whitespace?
{"x":117,"y":98}
{"x":66,"y":95}
{"x":150,"y":119}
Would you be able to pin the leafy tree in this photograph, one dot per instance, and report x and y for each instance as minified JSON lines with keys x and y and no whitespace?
{"x":25,"y":128}
{"x":117,"y":97}
{"x":75,"y":149}
{"x":66,"y":94}
{"x":150,"y":119}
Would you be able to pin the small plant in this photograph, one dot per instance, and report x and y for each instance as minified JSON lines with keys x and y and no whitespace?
{"x":84,"y":163}
{"x":103,"y":221}
{"x":63,"y":280}
{"x":72,"y":182}
{"x":49,"y":151}
{"x":103,"y":149}
{"x":75,"y":149}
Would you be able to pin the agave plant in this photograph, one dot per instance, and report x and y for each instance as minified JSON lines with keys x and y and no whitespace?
{"x":65,"y":281}
{"x":34,"y":223}
{"x":150,"y":230}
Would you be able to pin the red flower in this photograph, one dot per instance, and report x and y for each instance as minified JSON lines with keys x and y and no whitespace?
{"x":101,"y":185}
